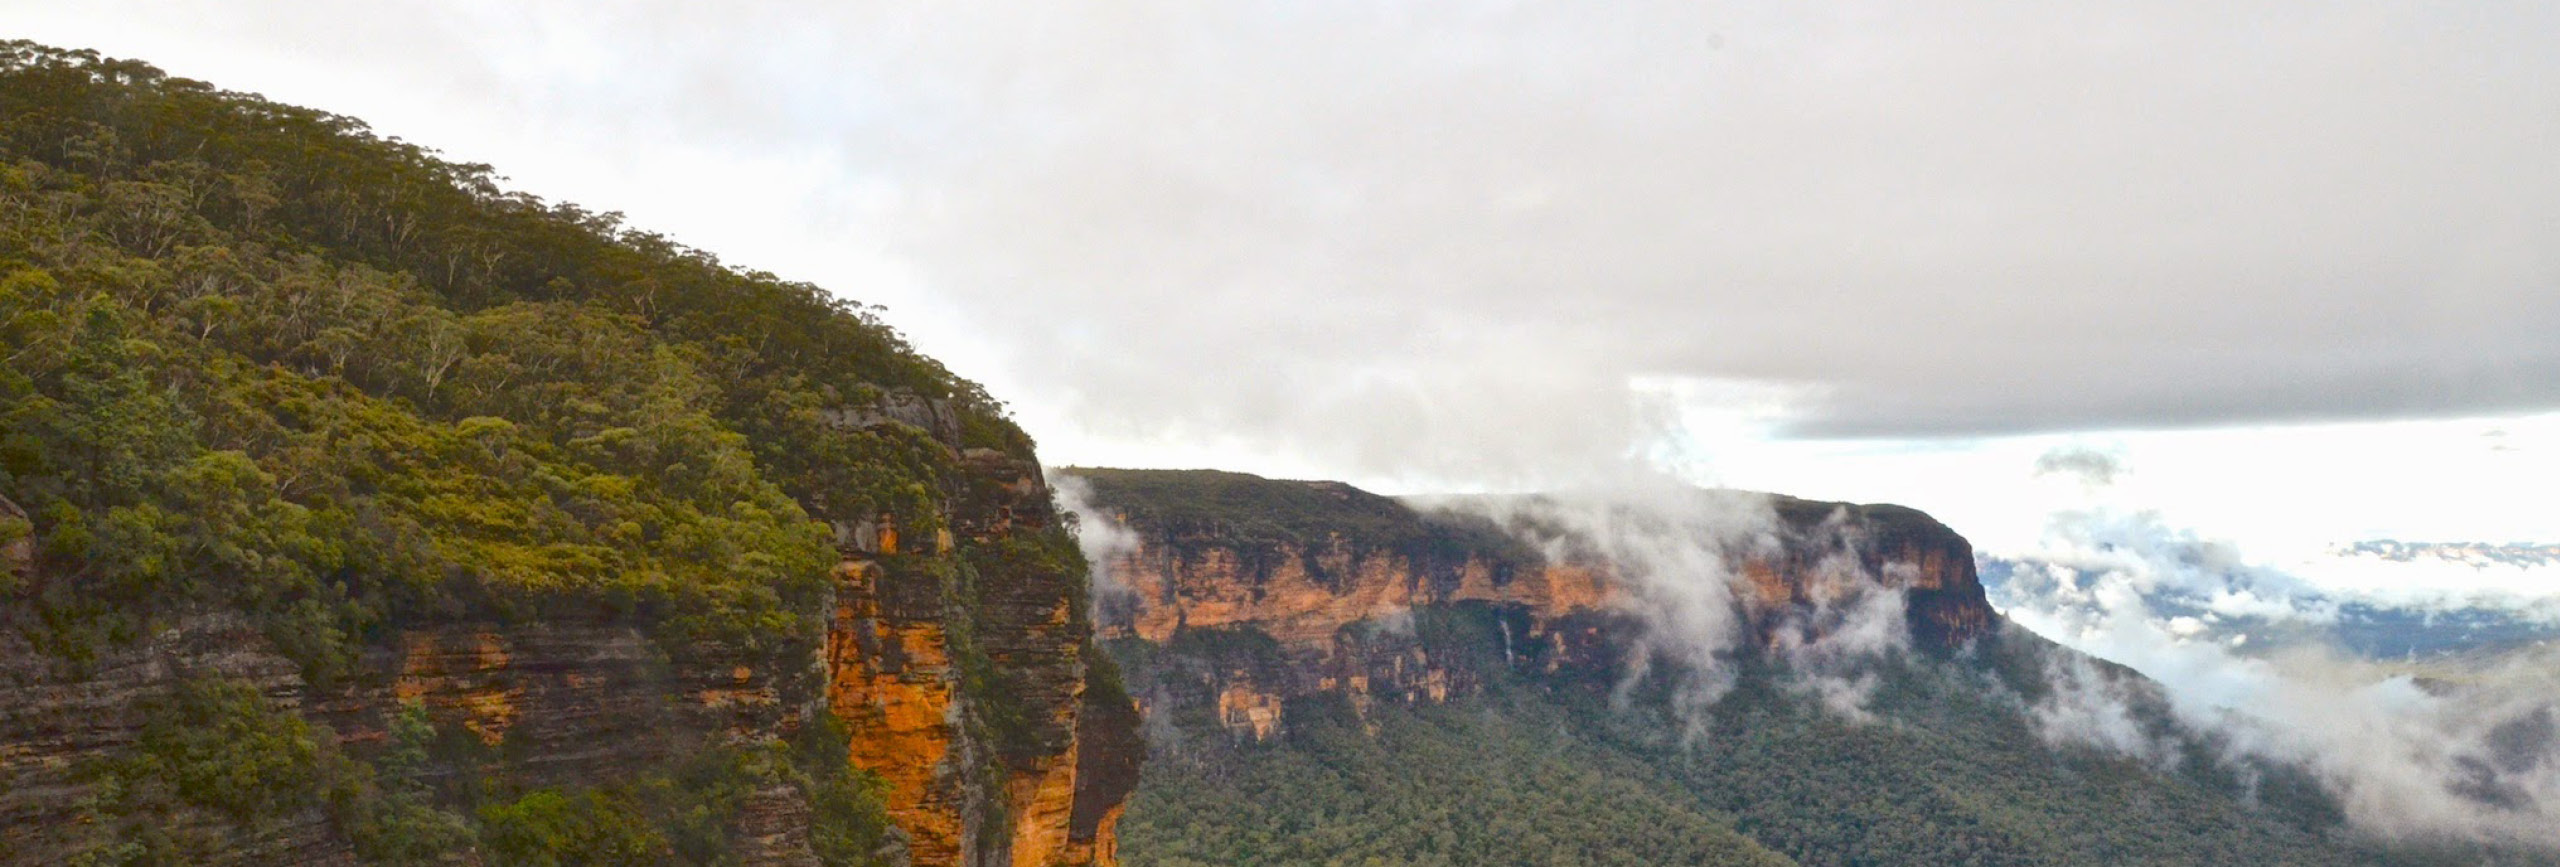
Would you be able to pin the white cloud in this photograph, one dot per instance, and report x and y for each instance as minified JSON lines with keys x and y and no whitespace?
{"x":1387,"y":242}
{"x":2468,"y":753}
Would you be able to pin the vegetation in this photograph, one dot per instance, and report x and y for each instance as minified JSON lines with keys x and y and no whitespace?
{"x":1451,"y":785}
{"x":360,"y":384}
{"x":213,"y":751}
{"x":258,"y":362}
{"x":1567,"y":768}
{"x":1265,"y":520}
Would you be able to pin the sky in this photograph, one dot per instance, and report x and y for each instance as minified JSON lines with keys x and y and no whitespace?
{"x":2286,"y":274}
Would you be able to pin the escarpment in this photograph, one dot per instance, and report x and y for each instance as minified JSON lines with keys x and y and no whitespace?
{"x":355,"y":510}
{"x":1277,"y":590}
{"x":955,"y":669}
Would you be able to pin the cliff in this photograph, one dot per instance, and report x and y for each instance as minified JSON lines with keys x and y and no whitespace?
{"x":1034,"y":772}
{"x":356,"y":510}
{"x":1335,"y":578}
{"x":1657,"y":677}
{"x":567,"y":702}
{"x":580,"y":702}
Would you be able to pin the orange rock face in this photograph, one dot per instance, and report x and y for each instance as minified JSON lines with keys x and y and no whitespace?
{"x":1214,"y":588}
{"x":1042,"y":802}
{"x":1291,"y":605}
{"x":891,"y":683}
{"x":893,"y":680}
{"x":1246,"y":710}
{"x":1552,"y":591}
{"x":471,"y":678}
{"x":1340,"y":612}
{"x":1101,"y":851}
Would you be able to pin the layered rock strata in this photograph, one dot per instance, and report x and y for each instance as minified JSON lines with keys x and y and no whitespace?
{"x":1336,"y":596}
{"x":957,"y":659}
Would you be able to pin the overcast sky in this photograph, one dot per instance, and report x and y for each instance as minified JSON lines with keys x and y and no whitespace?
{"x":1513,"y":243}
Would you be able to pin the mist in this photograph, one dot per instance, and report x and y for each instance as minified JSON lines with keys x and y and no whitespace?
{"x":1673,"y":550}
{"x":1103,"y":540}
{"x":1676,"y":553}
{"x":2457,"y":746}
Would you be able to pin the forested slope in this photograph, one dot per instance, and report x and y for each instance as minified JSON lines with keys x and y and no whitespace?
{"x":357,"y":508}
{"x":1542,"y":769}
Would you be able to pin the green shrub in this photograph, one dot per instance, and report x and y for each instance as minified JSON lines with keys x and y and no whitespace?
{"x":553,"y":828}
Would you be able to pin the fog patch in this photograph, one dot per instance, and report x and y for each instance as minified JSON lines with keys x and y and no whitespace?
{"x":1396,"y":622}
{"x":1832,"y":651}
{"x":2086,"y":706}
{"x":1676,"y":553}
{"x":1671,"y":549}
{"x":1105,"y":542}
{"x":1855,"y":620}
{"x":2103,"y":560}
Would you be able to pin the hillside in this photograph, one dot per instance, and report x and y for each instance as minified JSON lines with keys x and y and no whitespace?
{"x":1421,"y":711}
{"x":354,"y":509}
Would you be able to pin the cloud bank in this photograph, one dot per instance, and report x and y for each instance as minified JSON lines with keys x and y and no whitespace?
{"x":2451,"y":747}
{"x":1389,"y":239}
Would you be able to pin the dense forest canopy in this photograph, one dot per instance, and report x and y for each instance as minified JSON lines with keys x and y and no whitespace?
{"x":1561,"y":768}
{"x":240,"y":330}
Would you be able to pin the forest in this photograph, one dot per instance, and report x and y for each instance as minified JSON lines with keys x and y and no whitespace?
{"x":1562,"y":768}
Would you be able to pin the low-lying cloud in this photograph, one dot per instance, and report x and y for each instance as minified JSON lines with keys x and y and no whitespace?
{"x":1671,"y":548}
{"x":2458,"y":747}
{"x":1677,"y":552}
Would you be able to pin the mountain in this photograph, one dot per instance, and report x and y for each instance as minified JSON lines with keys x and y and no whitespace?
{"x":356,"y":510}
{"x":2253,"y":612}
{"x":1330,"y":676}
{"x":2518,"y":555}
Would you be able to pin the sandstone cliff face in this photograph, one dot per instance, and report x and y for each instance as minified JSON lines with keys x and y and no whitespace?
{"x":569,"y":703}
{"x":55,"y":723}
{"x":1902,"y":549}
{"x":997,"y":774}
{"x":890,"y":679}
{"x":1204,"y":584}
{"x":1339,"y":606}
{"x":955,"y":651}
